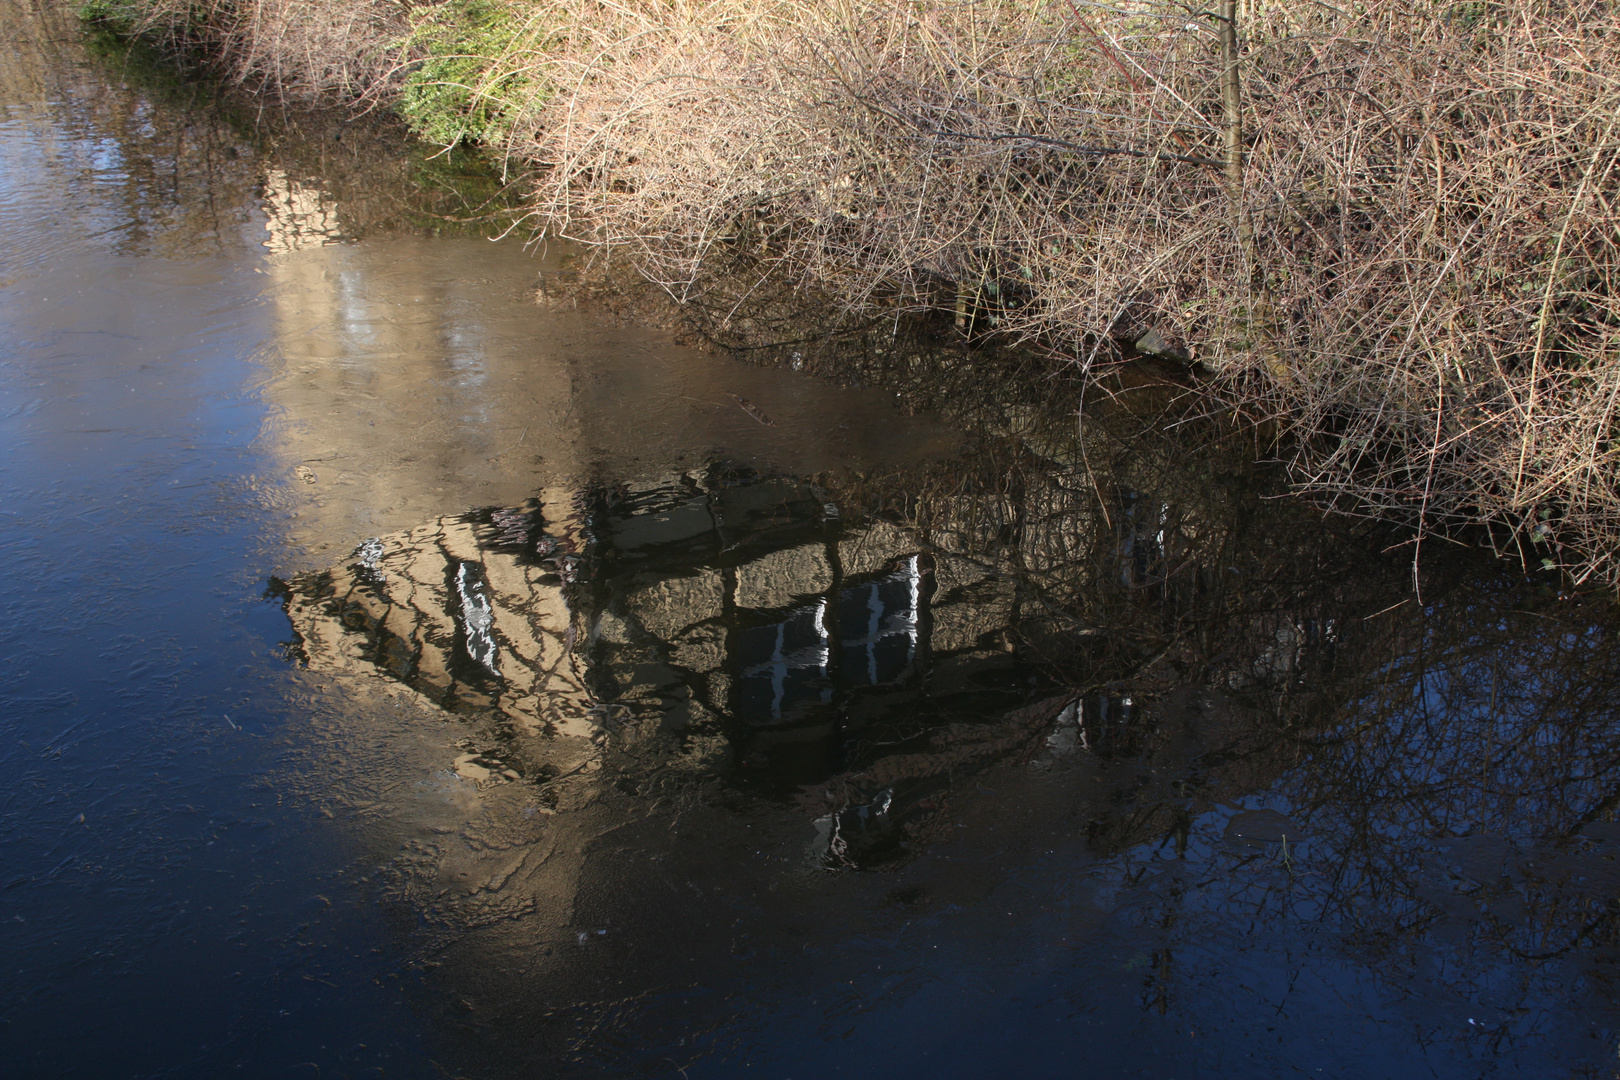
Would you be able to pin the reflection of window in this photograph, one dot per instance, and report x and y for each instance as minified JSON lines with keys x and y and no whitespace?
{"x":784,"y":665}
{"x":878,"y":621}
{"x":477,"y":617}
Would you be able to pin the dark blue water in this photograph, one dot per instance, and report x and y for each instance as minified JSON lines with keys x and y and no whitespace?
{"x":402,"y":678}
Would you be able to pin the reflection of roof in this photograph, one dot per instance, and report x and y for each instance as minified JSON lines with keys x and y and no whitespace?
{"x":715,"y":600}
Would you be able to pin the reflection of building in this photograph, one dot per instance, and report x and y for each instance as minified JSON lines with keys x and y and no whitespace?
{"x":720,"y":622}
{"x":715,"y":607}
{"x":456,"y":612}
{"x":297,"y":215}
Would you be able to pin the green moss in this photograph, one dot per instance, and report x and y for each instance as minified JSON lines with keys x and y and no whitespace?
{"x":465,"y":88}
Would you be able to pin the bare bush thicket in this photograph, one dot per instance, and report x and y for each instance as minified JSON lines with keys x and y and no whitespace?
{"x":1391,"y":226}
{"x":1415,"y":270}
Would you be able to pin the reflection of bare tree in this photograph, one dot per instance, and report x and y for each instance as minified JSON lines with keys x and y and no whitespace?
{"x":141,"y":176}
{"x":1447,"y":825}
{"x":1289,"y":736}
{"x":1470,"y":791}
{"x":160,"y":165}
{"x":1278,"y":737}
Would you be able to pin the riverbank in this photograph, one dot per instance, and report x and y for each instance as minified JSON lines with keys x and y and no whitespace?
{"x":1392,"y":231}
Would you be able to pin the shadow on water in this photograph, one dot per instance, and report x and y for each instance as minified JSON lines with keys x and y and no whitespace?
{"x":881,"y":723}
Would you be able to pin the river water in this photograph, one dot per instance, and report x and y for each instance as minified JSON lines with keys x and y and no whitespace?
{"x":404,"y":677}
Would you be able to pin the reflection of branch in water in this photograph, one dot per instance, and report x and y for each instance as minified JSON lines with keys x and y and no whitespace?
{"x":1438,"y":815}
{"x":753,"y":410}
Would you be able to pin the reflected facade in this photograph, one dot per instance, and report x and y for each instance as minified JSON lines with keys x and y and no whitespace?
{"x":734,"y":619}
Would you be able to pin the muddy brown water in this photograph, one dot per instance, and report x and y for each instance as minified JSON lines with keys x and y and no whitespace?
{"x":403,"y":678}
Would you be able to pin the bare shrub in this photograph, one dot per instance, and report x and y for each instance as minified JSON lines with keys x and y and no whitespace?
{"x":1414,"y":270}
